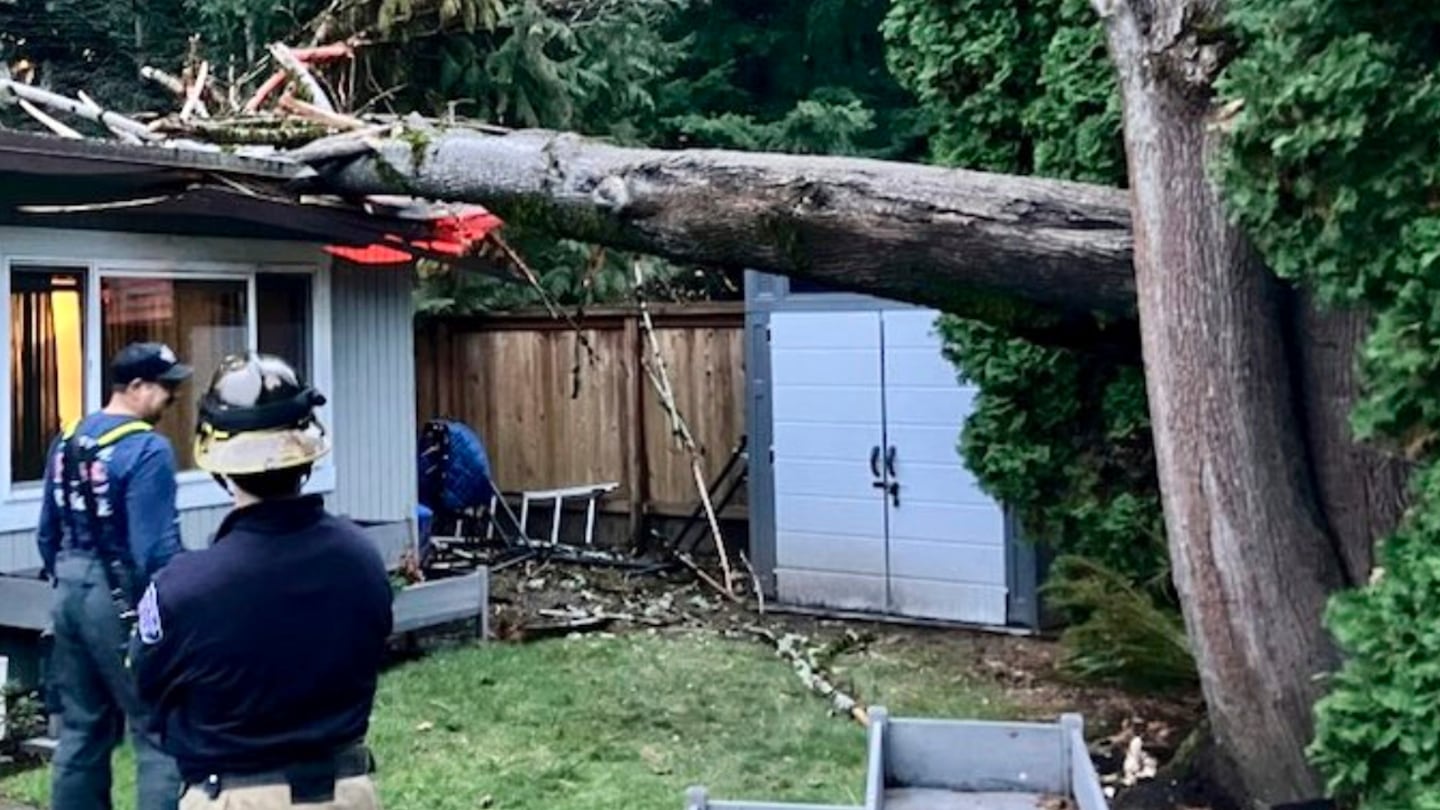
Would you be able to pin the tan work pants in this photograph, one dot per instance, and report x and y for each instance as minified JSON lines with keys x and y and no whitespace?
{"x":351,"y":793}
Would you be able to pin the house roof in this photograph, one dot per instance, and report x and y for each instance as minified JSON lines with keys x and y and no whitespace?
{"x":53,"y":182}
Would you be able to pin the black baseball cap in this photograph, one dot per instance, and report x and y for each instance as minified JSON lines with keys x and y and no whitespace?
{"x":149,"y":362}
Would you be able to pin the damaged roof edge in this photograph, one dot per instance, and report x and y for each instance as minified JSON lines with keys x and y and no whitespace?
{"x":104,"y":185}
{"x":19,"y":149}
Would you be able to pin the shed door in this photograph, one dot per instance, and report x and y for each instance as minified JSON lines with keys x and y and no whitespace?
{"x":946,"y":551}
{"x":827,"y":401}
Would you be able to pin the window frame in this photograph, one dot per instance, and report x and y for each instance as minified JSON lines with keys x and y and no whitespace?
{"x":99,"y":256}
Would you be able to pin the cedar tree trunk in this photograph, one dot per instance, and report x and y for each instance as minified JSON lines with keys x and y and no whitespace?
{"x":1254,"y":561}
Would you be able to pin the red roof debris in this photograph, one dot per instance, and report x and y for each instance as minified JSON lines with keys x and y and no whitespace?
{"x":452,"y":235}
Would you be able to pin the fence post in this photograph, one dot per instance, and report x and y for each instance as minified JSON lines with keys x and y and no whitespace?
{"x":636,"y":475}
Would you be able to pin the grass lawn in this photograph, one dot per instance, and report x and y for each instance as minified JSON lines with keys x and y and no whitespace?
{"x":629,"y":721}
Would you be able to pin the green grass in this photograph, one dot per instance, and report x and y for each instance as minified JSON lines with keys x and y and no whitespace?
{"x":622,"y":722}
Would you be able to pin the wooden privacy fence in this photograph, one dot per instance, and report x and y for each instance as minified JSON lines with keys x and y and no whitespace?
{"x":511,"y":378}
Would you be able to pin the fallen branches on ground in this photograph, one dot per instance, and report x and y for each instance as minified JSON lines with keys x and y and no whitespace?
{"x":794,"y":649}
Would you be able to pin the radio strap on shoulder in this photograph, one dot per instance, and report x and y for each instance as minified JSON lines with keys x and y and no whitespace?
{"x":80,"y":458}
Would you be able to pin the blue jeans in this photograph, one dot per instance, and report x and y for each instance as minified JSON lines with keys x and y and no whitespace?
{"x":98,"y":698}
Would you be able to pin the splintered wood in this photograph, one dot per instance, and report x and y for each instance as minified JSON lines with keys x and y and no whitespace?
{"x":660,"y":377}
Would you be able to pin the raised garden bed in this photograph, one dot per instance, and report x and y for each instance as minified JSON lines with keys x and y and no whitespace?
{"x":924,"y":764}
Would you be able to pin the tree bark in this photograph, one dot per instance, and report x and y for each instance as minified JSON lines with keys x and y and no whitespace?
{"x":1362,"y":491}
{"x":1028,"y":253}
{"x":1253,"y":561}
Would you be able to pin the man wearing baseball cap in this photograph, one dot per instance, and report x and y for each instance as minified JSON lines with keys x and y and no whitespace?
{"x":108,"y":523}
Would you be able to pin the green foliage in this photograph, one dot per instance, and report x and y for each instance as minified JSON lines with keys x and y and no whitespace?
{"x":241,"y":29}
{"x":25,"y":716}
{"x":1120,"y":632}
{"x":1332,"y":167}
{"x":832,"y":124}
{"x":521,"y":65}
{"x":1375,"y":737}
{"x":1064,"y":437}
{"x":570,"y":274}
{"x":1025,"y":88}
{"x":788,"y":76}
{"x":393,"y":16}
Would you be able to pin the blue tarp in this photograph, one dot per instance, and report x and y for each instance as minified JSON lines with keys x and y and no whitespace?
{"x":454,"y":467}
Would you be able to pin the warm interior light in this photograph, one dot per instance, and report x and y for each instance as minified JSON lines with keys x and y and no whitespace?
{"x":69,"y":341}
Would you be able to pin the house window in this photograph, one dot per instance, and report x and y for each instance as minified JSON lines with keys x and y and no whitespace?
{"x":47,"y":375}
{"x":72,"y":299}
{"x":202,"y":316}
{"x":202,"y":320}
{"x":282,"y":307}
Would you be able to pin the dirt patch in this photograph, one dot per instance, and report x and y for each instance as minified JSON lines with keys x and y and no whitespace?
{"x":539,"y":600}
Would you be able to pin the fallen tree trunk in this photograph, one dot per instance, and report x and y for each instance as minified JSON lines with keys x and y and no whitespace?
{"x":1044,"y":256}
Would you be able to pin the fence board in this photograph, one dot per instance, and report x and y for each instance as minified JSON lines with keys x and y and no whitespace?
{"x":510,"y":377}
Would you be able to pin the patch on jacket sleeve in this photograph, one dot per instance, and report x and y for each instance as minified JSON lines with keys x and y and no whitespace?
{"x":149,"y":617}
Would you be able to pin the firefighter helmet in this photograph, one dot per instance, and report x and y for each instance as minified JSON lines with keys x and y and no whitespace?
{"x":258,"y":415}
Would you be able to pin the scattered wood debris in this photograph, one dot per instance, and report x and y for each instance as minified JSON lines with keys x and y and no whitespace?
{"x":796,"y":650}
{"x":1138,"y":764}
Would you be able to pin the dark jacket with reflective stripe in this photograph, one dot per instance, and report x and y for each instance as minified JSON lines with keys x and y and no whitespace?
{"x":265,"y":648}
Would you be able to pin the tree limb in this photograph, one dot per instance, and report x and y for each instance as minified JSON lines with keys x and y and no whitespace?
{"x":795,"y":650}
{"x":660,"y":377}
{"x":192,"y":95}
{"x":165,"y":80}
{"x":292,"y":64}
{"x":1027,"y":253}
{"x":85,"y":107}
{"x":53,"y":125}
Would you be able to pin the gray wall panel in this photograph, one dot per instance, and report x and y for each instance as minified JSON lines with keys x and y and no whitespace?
{"x":374,"y":397}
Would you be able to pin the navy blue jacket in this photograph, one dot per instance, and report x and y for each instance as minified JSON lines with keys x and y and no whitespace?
{"x":265,"y":648}
{"x":140,"y":472}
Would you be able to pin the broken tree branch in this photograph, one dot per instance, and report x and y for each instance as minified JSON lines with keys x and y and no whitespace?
{"x":192,"y":96}
{"x":705,"y":577}
{"x":160,"y":77}
{"x":1042,"y":256}
{"x":327,"y":53}
{"x":50,"y":123}
{"x":311,"y":112}
{"x":256,"y":131}
{"x":518,"y":263}
{"x":119,"y":130}
{"x":754,"y":582}
{"x":792,"y":648}
{"x":660,"y":376}
{"x":292,"y":64}
{"x":177,"y":86}
{"x":273,"y":83}
{"x":85,"y":108}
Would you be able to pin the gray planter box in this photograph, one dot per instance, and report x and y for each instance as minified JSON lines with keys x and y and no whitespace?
{"x":922,"y":764}
{"x":444,"y":600}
